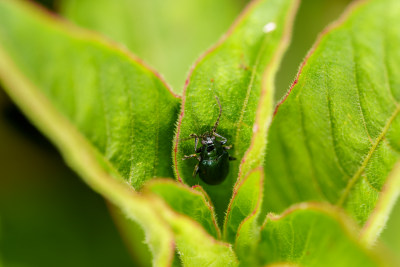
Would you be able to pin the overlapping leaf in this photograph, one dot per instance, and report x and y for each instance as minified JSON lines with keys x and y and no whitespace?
{"x":190,"y":202}
{"x":194,"y":245}
{"x":313,"y":235}
{"x":194,"y":242}
{"x":246,"y":200}
{"x":336,"y":136}
{"x":233,"y":71}
{"x":241,"y":227}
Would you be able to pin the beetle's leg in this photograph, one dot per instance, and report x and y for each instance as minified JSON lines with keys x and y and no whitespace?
{"x":227,"y":147}
{"x":196,"y":170}
{"x":219,"y":116}
{"x":232,"y":158}
{"x":190,"y":156}
{"x":224,"y":140}
{"x":196,"y":141}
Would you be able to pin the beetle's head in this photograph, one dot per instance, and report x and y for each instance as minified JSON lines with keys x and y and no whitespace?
{"x":207,"y":139}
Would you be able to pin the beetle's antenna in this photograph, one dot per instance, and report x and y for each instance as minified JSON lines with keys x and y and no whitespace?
{"x":219,"y":116}
{"x":187,"y":138}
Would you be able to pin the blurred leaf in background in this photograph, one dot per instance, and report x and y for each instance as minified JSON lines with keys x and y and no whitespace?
{"x":391,"y":234}
{"x":168,"y":34}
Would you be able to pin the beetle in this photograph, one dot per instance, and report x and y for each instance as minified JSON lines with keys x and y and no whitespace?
{"x":213,"y":156}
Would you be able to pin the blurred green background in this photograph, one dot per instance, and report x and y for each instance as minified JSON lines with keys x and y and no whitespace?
{"x":48,"y":217}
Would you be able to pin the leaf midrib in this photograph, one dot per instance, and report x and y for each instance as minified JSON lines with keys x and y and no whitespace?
{"x":361,"y":169}
{"x":250,"y":87}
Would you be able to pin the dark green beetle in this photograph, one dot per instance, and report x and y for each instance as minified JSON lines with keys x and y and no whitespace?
{"x":213,"y":157}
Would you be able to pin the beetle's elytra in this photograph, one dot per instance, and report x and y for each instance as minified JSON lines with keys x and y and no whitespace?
{"x":213,"y":156}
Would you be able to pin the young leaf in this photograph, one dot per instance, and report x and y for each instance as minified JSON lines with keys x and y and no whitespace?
{"x":194,"y":245}
{"x":336,"y":135}
{"x":233,"y":71}
{"x":168,"y":34}
{"x":123,"y":109}
{"x":184,"y":200}
{"x":312,"y":235}
{"x":241,"y":226}
{"x":246,"y":201}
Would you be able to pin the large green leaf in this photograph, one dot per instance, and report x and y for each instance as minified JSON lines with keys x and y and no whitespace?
{"x":312,"y":235}
{"x":335,"y":136}
{"x":26,"y":34}
{"x":239,"y":70}
{"x":168,"y":34}
{"x":122,"y":108}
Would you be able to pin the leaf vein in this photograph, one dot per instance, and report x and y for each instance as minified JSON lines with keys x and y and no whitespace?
{"x":288,"y":167}
{"x":332,"y":127}
{"x":370,"y":184}
{"x":358,"y":89}
{"x":390,"y":146}
{"x":387,"y":71}
{"x":308,"y":149}
{"x":106,"y":122}
{"x":132,"y":138}
{"x":357,"y":175}
{"x":249,"y":88}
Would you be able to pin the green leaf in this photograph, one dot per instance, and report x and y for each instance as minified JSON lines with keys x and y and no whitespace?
{"x":241,"y":226}
{"x":245,"y":202}
{"x":49,"y":108}
{"x":168,"y":34}
{"x":195,"y":246}
{"x":191,"y":202}
{"x":123,"y":109}
{"x":31,"y":38}
{"x":312,"y":234}
{"x":194,"y":238}
{"x":335,"y":136}
{"x":239,"y":70}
